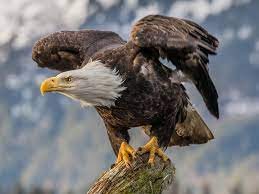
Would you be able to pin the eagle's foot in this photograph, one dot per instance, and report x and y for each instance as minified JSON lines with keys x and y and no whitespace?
{"x":125,"y":152}
{"x":153,"y":148}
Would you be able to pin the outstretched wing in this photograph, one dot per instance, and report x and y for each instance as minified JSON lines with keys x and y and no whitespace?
{"x":186,"y":45}
{"x":66,"y":50}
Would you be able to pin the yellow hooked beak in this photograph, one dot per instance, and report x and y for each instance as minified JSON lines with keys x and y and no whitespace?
{"x":50,"y":85}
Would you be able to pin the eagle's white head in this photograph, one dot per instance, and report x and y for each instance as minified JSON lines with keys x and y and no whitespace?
{"x":93,"y":85}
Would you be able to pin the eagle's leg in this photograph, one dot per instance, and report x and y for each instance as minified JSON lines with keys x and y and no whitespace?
{"x":124,"y":154}
{"x":153,"y":148}
{"x":119,"y":138}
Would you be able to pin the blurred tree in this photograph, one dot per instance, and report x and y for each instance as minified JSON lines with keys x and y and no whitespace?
{"x":206,"y":189}
{"x":39,"y":190}
{"x":238,"y":188}
{"x":70,"y":192}
{"x":255,"y":191}
{"x":174,"y":188}
{"x":189,"y":191}
{"x":18,"y":189}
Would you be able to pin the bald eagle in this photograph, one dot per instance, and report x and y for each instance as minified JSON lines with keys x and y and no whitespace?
{"x":129,"y":86}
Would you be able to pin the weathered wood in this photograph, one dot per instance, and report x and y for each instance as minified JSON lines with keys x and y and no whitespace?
{"x":140,"y":179}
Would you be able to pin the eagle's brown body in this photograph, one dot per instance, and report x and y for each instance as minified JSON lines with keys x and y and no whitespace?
{"x":151,"y":97}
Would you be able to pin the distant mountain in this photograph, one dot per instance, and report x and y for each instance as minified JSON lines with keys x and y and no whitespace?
{"x":53,"y":142}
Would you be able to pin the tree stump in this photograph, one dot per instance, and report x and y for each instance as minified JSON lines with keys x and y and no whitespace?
{"x":141,"y":178}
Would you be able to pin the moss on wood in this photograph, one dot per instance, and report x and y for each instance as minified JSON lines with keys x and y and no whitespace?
{"x":140,"y":179}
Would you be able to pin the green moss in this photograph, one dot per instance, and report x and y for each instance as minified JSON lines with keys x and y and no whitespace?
{"x":148,"y":180}
{"x":141,"y":179}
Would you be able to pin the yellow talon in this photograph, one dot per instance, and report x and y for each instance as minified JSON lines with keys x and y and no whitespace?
{"x":124,"y":154}
{"x":153,"y":148}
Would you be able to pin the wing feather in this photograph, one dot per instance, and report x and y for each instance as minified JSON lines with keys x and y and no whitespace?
{"x":67,"y":50}
{"x":186,"y":44}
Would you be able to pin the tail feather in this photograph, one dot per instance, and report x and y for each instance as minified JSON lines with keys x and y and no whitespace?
{"x":192,"y":131}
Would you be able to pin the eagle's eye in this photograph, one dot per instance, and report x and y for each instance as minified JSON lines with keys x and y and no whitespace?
{"x":68,"y":79}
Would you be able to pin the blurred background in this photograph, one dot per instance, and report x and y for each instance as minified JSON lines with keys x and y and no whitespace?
{"x":52,"y":145}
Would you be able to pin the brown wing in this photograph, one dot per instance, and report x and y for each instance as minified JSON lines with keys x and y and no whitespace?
{"x":66,"y":50}
{"x":186,"y":45}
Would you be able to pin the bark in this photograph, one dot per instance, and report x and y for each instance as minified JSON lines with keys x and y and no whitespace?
{"x":140,"y":179}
